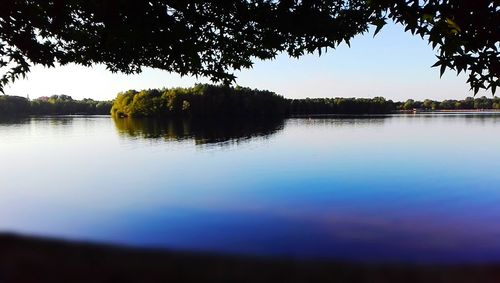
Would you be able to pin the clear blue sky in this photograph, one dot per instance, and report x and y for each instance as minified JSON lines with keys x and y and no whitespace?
{"x":394,"y":64}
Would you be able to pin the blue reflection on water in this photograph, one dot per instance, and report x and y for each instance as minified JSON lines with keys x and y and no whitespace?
{"x":394,"y":188}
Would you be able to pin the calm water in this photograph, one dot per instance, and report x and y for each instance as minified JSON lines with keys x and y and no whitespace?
{"x":399,"y":188}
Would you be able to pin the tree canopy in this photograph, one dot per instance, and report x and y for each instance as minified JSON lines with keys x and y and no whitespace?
{"x":215,"y":38}
{"x":200,"y":101}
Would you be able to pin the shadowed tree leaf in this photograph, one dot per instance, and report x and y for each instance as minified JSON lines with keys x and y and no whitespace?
{"x":214,"y":38}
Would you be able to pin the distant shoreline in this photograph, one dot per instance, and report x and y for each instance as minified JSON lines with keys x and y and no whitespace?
{"x":209,"y":101}
{"x":448,"y":111}
{"x":26,"y":259}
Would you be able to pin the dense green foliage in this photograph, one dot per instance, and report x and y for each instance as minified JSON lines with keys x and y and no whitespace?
{"x":199,"y":101}
{"x":377,"y":105}
{"x":450,"y":104}
{"x":11,"y":106}
{"x":53,"y":105}
{"x":213,"y":38}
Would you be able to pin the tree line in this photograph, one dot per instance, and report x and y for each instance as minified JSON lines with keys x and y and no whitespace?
{"x":217,"y":101}
{"x":54,"y":105}
{"x":379,"y":105}
{"x":451,"y":104}
{"x":222,"y":101}
{"x":308,"y":106}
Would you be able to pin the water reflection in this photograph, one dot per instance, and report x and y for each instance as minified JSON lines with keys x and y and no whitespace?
{"x":403,"y":188}
{"x":201,"y":131}
{"x":6,"y":121}
{"x":341,"y":120}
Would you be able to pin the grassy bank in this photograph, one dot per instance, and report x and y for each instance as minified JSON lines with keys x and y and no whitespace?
{"x":25,"y":259}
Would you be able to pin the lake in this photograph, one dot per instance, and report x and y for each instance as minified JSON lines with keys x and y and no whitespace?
{"x":395,"y":188}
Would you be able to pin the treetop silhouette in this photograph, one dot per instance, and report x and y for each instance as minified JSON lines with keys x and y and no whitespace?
{"x":215,"y":38}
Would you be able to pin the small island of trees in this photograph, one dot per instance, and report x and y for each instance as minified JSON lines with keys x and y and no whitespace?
{"x":199,"y":101}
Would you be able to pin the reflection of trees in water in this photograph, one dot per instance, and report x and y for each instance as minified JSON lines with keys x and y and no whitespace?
{"x":378,"y":120}
{"x":341,"y":120}
{"x":201,"y":131}
{"x":50,"y":120}
{"x":468,"y":118}
{"x":10,"y":121}
{"x":56,"y":121}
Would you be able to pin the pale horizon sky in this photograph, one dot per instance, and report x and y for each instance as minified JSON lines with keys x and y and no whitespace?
{"x":394,"y":64}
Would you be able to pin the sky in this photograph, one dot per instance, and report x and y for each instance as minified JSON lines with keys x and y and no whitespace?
{"x":394,"y":64}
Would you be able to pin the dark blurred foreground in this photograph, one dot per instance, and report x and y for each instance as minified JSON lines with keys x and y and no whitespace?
{"x":27,"y":260}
